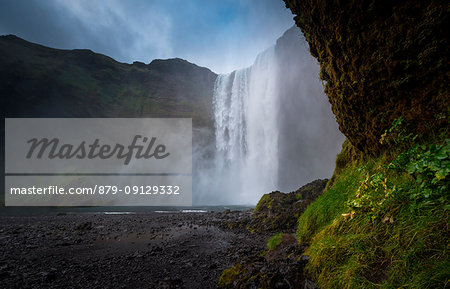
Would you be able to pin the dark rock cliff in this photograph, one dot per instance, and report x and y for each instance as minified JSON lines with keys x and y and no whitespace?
{"x":381,"y":60}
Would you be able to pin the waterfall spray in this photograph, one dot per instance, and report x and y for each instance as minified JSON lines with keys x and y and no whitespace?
{"x":245,"y":115}
{"x":274,"y":129}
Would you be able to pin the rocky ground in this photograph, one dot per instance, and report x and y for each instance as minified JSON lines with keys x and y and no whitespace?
{"x":145,"y":250}
{"x":282,"y":265}
{"x":158,"y":250}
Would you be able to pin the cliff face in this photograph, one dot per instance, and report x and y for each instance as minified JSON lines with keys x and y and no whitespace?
{"x":381,"y":60}
{"x":38,"y":81}
{"x":385,"y":64}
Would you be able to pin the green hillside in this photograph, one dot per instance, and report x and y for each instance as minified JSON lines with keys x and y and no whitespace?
{"x":37,"y":81}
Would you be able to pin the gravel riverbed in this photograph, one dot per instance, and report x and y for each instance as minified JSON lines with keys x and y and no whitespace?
{"x":142,"y":250}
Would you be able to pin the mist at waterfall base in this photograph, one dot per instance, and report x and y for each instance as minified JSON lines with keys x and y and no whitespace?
{"x":274,"y":129}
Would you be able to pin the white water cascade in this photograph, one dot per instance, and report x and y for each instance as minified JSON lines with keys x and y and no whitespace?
{"x":274,"y":129}
{"x":245,"y":113}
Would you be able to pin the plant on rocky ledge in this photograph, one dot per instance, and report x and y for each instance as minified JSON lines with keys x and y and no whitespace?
{"x":398,"y":134}
{"x":372,"y":196}
{"x":392,"y":228}
{"x":421,"y":174}
{"x":429,"y":165}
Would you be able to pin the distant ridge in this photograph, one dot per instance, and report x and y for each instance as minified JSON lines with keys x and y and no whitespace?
{"x":39,"y":81}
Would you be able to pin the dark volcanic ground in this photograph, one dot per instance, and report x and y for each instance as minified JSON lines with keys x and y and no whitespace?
{"x":145,"y":250}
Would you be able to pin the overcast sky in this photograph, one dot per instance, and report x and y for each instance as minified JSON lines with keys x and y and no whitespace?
{"x":222,"y":35}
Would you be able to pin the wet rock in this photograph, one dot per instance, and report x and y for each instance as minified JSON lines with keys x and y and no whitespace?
{"x":279,"y":211}
{"x":279,"y":268}
{"x":310,"y":285}
{"x":84,"y":226}
{"x":49,"y":276}
{"x":305,"y":258}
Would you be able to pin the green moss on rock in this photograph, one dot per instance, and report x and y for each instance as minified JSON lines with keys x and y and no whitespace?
{"x":278,"y":267}
{"x":274,"y":241}
{"x":381,"y":60}
{"x":279,"y":211}
{"x":265,"y":202}
{"x":229,"y":276}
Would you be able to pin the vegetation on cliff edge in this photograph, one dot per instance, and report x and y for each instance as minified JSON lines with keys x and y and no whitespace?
{"x":383,"y":221}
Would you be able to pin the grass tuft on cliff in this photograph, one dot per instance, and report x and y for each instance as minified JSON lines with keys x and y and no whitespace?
{"x":382,"y":221}
{"x":274,"y":241}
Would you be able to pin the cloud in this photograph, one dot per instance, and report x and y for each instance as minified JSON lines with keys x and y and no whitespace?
{"x":221,"y":35}
{"x":131,"y":32}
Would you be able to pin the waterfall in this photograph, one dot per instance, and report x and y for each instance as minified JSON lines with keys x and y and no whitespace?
{"x":274,"y":129}
{"x":245,"y":114}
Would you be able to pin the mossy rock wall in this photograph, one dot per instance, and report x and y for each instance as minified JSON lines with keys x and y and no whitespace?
{"x":279,"y":211}
{"x":380,"y":60}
